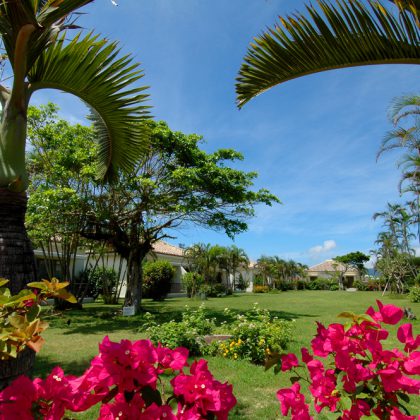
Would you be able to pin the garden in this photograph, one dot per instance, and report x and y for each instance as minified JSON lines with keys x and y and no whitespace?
{"x":73,"y":336}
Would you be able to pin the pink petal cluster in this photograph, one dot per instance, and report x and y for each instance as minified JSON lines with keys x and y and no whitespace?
{"x":350,"y":364}
{"x":123,"y":379}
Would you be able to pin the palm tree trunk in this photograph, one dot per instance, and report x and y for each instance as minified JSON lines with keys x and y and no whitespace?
{"x":17,"y":261}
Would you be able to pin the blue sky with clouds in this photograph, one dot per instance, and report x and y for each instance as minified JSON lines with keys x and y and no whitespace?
{"x":313,"y":141}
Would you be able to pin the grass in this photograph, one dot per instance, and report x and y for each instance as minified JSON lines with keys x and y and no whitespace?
{"x":72,"y":339}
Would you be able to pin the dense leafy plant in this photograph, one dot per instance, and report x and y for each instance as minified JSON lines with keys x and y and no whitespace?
{"x":350,"y":372}
{"x":123,"y":379}
{"x":414,"y":294}
{"x":157,"y":278}
{"x":20,"y":323}
{"x":323,"y":284}
{"x":255,"y":335}
{"x":192,"y":282}
{"x":187,"y":333}
{"x":260,"y":288}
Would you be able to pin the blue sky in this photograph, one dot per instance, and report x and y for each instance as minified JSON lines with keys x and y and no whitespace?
{"x":313,"y":141}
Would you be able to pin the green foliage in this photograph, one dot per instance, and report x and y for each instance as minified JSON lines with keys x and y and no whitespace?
{"x":101,"y":281}
{"x":283,"y":285}
{"x":260,"y":288}
{"x":20,"y":322}
{"x":157,"y":278}
{"x":414,"y":294}
{"x":255,"y":335}
{"x":192,"y":282}
{"x":323,"y":284}
{"x":218,"y":290}
{"x":187,"y":333}
{"x":241,"y":283}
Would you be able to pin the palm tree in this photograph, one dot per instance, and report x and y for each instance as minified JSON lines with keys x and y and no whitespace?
{"x":236,"y":258}
{"x":33,"y":33}
{"x":347,"y":33}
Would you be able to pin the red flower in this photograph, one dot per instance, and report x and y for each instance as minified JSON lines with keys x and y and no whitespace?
{"x":291,"y":399}
{"x":171,"y":359}
{"x":288,"y":361}
{"x":405,"y":336}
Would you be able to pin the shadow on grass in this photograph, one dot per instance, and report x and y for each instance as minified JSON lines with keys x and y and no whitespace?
{"x":44,"y":365}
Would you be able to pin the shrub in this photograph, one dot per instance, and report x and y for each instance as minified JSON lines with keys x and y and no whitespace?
{"x":260,"y":289}
{"x":157,"y":278}
{"x":186,"y":333}
{"x":283,"y":285}
{"x":300,"y":284}
{"x":349,"y":371}
{"x":414,"y":294}
{"x":218,"y":290}
{"x":320,"y":284}
{"x":101,"y":281}
{"x":360,"y":285}
{"x":333,"y":285}
{"x":255,"y":335}
{"x":241,"y":283}
{"x":192,"y":282}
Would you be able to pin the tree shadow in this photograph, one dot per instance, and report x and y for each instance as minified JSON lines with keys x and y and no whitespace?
{"x":45,"y":364}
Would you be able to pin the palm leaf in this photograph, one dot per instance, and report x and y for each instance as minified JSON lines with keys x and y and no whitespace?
{"x":91,"y":69}
{"x":345,"y":35}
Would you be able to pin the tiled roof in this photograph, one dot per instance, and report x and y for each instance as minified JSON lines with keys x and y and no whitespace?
{"x":329,"y":265}
{"x":162,"y":247}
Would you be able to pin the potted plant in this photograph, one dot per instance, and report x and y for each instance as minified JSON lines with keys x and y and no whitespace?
{"x":21,"y":325}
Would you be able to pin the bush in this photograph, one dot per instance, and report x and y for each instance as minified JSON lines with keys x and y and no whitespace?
{"x":241,"y":283}
{"x":360,"y":285}
{"x":157,"y":278}
{"x":260,"y":289}
{"x":101,"y":281}
{"x":192,"y":282}
{"x":256,"y":335}
{"x":186,"y":333}
{"x":300,"y":284}
{"x":414,"y":294}
{"x":283,"y":285}
{"x":218,"y":290}
{"x":320,"y":284}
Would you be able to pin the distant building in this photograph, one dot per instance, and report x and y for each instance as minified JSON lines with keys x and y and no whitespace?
{"x":332,"y":269}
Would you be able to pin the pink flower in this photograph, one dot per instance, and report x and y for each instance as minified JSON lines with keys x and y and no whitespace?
{"x":405,"y":336}
{"x":156,"y":412}
{"x":291,"y":399}
{"x":172,"y":359}
{"x":129,"y":365}
{"x":412,"y":363}
{"x":390,"y":314}
{"x":306,"y":356}
{"x":16,"y":400}
{"x":288,"y":361}
{"x":395,"y":414}
{"x":121,"y":409}
{"x":55,"y":394}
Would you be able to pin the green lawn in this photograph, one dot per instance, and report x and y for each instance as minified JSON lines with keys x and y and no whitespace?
{"x":72,"y":339}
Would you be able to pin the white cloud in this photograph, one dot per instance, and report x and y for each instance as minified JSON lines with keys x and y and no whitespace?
{"x":328,"y":245}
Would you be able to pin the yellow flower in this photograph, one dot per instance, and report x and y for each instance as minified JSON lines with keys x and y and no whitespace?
{"x":235,"y":356}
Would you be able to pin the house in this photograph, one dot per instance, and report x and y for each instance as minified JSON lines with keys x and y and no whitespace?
{"x":82,"y":259}
{"x":332,"y":269}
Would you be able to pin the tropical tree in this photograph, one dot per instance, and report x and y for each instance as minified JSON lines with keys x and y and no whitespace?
{"x":352,"y":260}
{"x":343,"y":33}
{"x":236,"y":258}
{"x":41,"y":57}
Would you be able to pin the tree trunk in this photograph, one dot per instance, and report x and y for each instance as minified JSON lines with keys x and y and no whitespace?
{"x":134,"y":291}
{"x":17,"y":260}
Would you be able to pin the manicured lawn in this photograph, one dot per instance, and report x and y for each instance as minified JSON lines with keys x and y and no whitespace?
{"x":72,"y":339}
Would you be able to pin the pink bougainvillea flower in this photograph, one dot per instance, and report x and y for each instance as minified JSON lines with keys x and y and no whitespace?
{"x":171,"y":359}
{"x":16,"y":400}
{"x":405,"y":336}
{"x":121,"y":409}
{"x":291,"y":399}
{"x":412,"y":363}
{"x":390,"y":314}
{"x":359,"y":409}
{"x":393,"y":380}
{"x":55,"y":394}
{"x":288,"y":361}
{"x":130,"y":365}
{"x":201,"y":390}
{"x":306,"y":356}
{"x":156,"y":412}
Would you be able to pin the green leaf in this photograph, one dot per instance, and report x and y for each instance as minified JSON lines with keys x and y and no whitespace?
{"x":351,"y":34}
{"x":371,"y":417}
{"x":345,"y":403}
{"x":403,"y":396}
{"x":33,"y":312}
{"x":3,"y":281}
{"x":294,"y":379}
{"x":151,"y":396}
{"x":350,"y":315}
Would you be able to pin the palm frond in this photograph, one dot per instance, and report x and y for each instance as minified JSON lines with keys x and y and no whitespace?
{"x":343,"y":35}
{"x":399,"y":104}
{"x":91,"y":69}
